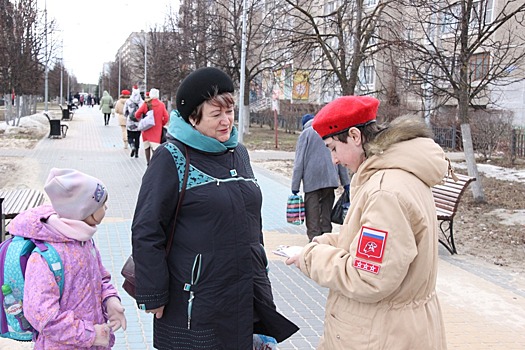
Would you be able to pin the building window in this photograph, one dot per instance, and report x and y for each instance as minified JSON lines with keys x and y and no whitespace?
{"x":450,"y":19}
{"x":329,"y":7}
{"x":479,"y":66}
{"x":369,"y":3}
{"x":409,"y":34}
{"x":367,"y":74}
{"x":480,"y":9}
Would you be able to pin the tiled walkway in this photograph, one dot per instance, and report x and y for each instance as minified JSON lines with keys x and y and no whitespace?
{"x":484,"y":307}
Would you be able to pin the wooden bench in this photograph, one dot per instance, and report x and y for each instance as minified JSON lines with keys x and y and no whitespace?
{"x":13,"y":202}
{"x":67,"y":113}
{"x":57,"y":128}
{"x":446,"y":197}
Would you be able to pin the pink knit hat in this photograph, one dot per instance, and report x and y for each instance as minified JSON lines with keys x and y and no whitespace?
{"x":74,"y":195}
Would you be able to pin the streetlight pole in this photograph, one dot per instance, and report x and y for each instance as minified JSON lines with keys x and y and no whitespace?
{"x":62,"y":73}
{"x":46,"y":72}
{"x":243,"y":74}
{"x":145,"y":62}
{"x":119,"y":71}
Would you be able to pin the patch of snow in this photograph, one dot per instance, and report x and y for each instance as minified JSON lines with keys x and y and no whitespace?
{"x":510,"y":217}
{"x":500,"y":173}
{"x":35,"y":121}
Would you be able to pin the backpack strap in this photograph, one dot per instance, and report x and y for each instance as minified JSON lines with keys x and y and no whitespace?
{"x":182,"y":187}
{"x":49,"y":253}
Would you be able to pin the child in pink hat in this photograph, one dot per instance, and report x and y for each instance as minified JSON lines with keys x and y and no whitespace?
{"x":88,"y":311}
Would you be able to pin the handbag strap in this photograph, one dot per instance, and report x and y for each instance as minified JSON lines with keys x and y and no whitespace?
{"x":181,"y":196}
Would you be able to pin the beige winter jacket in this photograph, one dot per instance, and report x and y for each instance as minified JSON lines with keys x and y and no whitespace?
{"x":381,"y":269}
{"x":119,"y":109}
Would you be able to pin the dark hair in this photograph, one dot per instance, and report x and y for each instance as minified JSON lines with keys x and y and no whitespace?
{"x":219,"y":100}
{"x":368,"y":131}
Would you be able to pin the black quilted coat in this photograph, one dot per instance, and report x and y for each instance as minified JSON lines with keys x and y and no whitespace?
{"x":216,"y":259}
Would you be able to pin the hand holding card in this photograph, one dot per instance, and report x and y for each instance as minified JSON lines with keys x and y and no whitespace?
{"x":288,"y":251}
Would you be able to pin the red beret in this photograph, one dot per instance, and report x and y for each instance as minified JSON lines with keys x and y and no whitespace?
{"x":125,"y":92}
{"x":343,"y":113}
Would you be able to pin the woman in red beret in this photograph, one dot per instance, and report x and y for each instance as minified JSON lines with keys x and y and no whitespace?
{"x":119,"y":111}
{"x":381,"y":268}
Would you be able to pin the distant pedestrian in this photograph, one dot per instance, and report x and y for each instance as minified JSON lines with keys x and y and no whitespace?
{"x":130,"y":107}
{"x":106,"y":104}
{"x":119,"y":111}
{"x":313,"y":167}
{"x":381,"y":269}
{"x":152,"y":136}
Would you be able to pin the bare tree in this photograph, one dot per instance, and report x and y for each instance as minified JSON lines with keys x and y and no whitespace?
{"x":263,"y":52}
{"x":460,"y":51}
{"x":337,"y":40}
{"x":22,"y":34}
{"x":489,"y":130}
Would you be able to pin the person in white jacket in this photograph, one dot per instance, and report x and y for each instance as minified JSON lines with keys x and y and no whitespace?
{"x":130,"y":107}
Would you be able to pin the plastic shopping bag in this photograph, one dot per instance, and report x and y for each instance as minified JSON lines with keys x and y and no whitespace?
{"x":295,"y":213}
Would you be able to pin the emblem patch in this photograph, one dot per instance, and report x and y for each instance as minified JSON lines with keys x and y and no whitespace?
{"x":99,"y":193}
{"x":371,"y":244}
{"x":366,"y":266}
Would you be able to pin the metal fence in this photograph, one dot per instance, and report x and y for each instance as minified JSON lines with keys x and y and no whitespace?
{"x":445,"y":137}
{"x":517,"y":145}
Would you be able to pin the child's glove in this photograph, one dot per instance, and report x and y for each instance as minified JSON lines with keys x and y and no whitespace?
{"x":115,"y":314}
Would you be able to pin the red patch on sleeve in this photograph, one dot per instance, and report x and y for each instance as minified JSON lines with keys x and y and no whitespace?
{"x":371,"y":244}
{"x":366,"y":266}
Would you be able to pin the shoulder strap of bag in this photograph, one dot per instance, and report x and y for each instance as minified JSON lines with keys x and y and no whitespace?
{"x":241,"y":149}
{"x":54,"y":262}
{"x":181,"y":196}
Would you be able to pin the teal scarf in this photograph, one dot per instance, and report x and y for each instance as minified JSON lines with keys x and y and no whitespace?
{"x":185,"y":133}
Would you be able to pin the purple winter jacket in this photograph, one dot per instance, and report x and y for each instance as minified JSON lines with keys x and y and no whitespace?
{"x":65,"y":322}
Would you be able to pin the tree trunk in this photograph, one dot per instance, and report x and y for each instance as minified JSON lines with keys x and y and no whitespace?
{"x":472,"y":169}
{"x":246,"y":115}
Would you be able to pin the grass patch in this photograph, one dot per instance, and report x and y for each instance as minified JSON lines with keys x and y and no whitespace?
{"x":263,"y":138}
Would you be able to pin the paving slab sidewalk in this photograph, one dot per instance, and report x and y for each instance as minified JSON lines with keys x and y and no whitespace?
{"x":483,"y":305}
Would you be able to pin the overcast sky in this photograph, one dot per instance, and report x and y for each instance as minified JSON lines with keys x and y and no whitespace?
{"x":93,"y":30}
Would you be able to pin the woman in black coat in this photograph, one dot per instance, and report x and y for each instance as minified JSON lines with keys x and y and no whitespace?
{"x":212,"y":290}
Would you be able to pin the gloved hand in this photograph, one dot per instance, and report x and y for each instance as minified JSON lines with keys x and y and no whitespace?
{"x":101,"y":335}
{"x":295,"y":192}
{"x":115,"y":312}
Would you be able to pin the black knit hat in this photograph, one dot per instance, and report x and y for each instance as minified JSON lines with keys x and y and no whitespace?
{"x":199,"y":86}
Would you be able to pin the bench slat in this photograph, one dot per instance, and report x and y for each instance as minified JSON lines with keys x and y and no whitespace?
{"x":447,"y":196}
{"x":16,"y":201}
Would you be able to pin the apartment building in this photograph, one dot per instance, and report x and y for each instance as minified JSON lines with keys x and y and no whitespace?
{"x":406,"y":53}
{"x":387,"y":70}
{"x":131,"y":57}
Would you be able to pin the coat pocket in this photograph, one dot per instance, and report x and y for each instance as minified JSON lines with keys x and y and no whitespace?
{"x":346,"y":329}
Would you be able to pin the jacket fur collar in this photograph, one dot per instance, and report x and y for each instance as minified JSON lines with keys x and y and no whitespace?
{"x":400,"y":129}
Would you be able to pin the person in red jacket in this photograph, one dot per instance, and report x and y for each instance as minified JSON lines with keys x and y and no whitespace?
{"x":151,"y":137}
